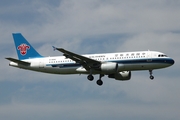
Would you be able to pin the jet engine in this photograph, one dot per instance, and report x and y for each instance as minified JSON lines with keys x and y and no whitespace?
{"x":109,"y":67}
{"x":122,"y":76}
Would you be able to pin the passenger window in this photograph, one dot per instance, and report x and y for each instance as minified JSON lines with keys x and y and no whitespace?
{"x":137,"y":53}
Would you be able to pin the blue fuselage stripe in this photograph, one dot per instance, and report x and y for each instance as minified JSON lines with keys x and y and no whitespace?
{"x":130,"y":61}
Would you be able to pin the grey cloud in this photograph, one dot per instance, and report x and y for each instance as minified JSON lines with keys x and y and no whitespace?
{"x":95,"y":110}
{"x":23,"y":12}
{"x":90,"y":27}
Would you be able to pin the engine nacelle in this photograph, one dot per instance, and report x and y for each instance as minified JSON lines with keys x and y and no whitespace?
{"x":109,"y":67}
{"x":123,"y":76}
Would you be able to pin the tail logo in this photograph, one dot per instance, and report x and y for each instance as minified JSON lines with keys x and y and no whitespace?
{"x":23,"y":48}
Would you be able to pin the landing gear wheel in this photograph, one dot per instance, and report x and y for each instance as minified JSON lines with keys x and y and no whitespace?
{"x":90,"y":77}
{"x":99,"y":82}
{"x":151,"y":77}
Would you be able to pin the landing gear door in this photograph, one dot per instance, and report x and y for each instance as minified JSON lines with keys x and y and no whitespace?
{"x":149,"y":56}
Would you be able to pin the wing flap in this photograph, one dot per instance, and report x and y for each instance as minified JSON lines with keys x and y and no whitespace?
{"x":19,"y":61}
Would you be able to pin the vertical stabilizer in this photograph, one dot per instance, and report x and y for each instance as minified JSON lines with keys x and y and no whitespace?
{"x":24,"y":48}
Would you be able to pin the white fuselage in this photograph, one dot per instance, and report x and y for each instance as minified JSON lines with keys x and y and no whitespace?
{"x":127,"y":61}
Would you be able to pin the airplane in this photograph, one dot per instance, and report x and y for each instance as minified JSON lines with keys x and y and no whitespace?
{"x":115,"y":65}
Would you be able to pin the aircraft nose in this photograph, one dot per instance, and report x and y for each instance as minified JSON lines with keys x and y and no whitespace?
{"x":171,"y":61}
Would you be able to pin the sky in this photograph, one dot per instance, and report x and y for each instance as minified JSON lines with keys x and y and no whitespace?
{"x":90,"y":26}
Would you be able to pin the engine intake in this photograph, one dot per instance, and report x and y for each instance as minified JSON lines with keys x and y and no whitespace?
{"x":122,"y":76}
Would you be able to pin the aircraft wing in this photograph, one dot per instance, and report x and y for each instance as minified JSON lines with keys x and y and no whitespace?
{"x":86,"y":62}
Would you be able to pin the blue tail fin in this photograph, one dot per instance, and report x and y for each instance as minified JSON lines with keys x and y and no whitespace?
{"x":23,"y":48}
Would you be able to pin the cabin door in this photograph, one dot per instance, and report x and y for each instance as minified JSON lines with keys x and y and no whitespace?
{"x":149,"y":56}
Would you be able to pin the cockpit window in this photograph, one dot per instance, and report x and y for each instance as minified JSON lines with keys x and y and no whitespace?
{"x":162,"y":55}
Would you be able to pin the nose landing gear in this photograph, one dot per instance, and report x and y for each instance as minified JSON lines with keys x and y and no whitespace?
{"x":151,"y":76}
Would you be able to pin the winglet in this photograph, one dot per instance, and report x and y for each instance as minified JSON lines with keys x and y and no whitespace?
{"x":54,"y":48}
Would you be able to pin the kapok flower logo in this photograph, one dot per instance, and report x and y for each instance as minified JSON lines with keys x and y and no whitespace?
{"x":23,"y":48}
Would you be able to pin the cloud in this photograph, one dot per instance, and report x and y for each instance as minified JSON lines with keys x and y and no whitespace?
{"x":95,"y":110}
{"x":153,"y":41}
{"x":90,"y":27}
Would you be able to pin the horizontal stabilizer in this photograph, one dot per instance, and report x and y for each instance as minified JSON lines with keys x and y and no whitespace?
{"x":19,"y":61}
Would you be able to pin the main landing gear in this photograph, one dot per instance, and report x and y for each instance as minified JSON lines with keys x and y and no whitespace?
{"x":99,"y":81}
{"x":90,"y":77}
{"x":151,"y":76}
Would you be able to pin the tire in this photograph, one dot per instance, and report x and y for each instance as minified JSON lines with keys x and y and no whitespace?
{"x":151,"y":77}
{"x":90,"y":77}
{"x":99,"y":82}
